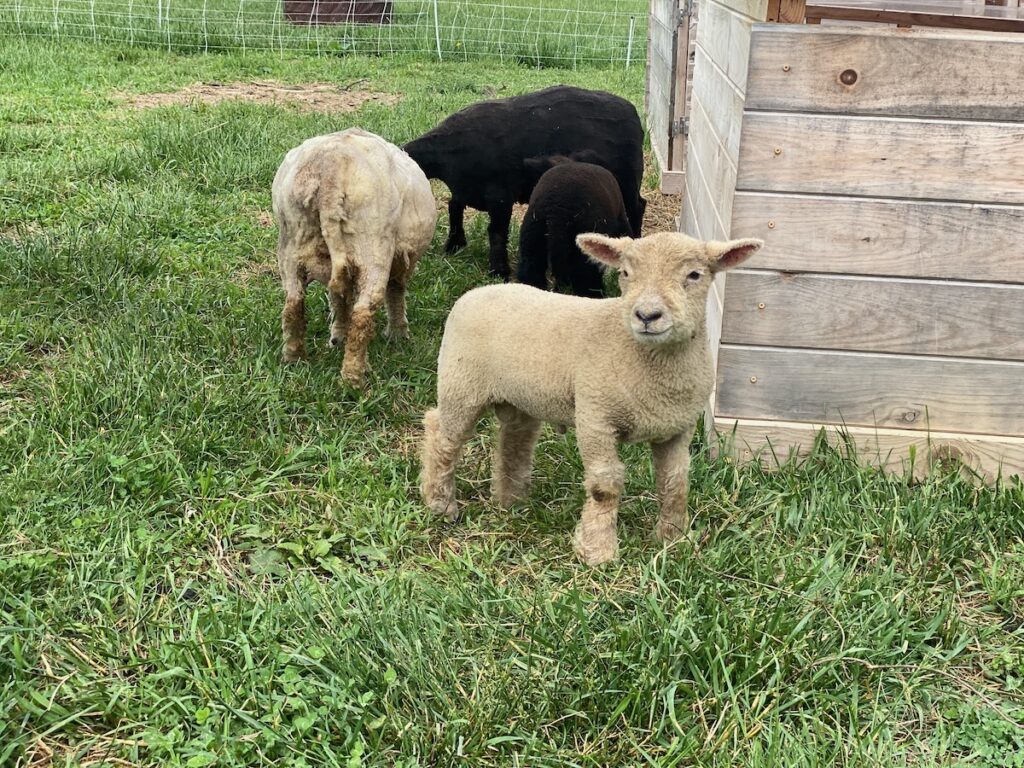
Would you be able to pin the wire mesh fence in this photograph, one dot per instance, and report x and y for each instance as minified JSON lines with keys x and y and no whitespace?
{"x":562,"y":33}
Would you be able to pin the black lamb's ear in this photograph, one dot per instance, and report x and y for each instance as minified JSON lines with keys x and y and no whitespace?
{"x":587,"y":156}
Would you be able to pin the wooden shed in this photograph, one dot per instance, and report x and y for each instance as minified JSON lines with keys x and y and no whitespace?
{"x":884,"y":168}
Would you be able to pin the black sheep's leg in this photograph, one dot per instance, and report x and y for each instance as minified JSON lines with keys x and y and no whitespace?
{"x":497,"y":235}
{"x":456,"y":232}
{"x":636,"y":214}
{"x":562,"y":253}
{"x":533,"y":261}
{"x":587,"y":280}
{"x":629,"y":183}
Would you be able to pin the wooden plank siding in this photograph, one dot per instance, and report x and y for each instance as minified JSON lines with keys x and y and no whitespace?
{"x":861,"y":389}
{"x":910,"y":73}
{"x":987,"y":456}
{"x":977,"y":320}
{"x":888,"y":300}
{"x":902,"y":238}
{"x":871,"y":156}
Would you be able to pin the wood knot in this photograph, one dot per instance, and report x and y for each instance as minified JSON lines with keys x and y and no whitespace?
{"x":947,"y":456}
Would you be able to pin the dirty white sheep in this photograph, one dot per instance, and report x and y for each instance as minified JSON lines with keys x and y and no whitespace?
{"x":629,"y":369}
{"x":355,"y":213}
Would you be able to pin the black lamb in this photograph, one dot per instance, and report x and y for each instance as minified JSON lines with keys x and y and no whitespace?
{"x":570,"y":198}
{"x":479,"y":152}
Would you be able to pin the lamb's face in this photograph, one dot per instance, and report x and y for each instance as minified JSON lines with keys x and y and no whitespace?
{"x":665,"y":279}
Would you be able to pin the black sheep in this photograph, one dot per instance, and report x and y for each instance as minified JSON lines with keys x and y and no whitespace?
{"x":570,"y":198}
{"x":479,"y":152}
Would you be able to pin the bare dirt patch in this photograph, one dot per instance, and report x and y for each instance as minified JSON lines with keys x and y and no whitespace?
{"x":307,"y":97}
{"x":20,"y":232}
{"x":256,"y":271}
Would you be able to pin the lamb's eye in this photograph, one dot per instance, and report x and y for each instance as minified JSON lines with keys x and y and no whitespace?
{"x":625,"y":273}
{"x":694,"y":276}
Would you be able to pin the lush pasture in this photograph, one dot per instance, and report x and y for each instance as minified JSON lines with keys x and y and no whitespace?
{"x":564,"y":33}
{"x":208,"y":558}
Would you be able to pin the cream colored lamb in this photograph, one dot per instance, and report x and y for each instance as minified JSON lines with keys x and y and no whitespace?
{"x":355,"y":213}
{"x":629,"y":369}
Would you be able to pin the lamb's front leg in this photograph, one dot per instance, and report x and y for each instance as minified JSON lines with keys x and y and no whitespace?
{"x":672,"y":473}
{"x":595,"y":539}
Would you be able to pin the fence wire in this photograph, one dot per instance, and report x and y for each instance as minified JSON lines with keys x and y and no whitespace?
{"x":562,"y":33}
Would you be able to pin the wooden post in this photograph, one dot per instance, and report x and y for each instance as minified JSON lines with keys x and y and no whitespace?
{"x":787,"y":11}
{"x":679,"y":110}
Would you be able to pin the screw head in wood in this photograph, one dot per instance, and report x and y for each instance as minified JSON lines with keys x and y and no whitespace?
{"x":778,"y":151}
{"x":760,"y":305}
{"x":771,"y":224}
{"x":848,"y":76}
{"x":753,"y":379}
{"x":785,"y":67}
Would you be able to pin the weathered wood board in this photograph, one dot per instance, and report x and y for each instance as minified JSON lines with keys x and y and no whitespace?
{"x":722,"y":102}
{"x":856,"y":388}
{"x":882,"y":237}
{"x":906,"y":13}
{"x":929,"y":159}
{"x":917,"y":317}
{"x":724,"y":36}
{"x":661,"y":33}
{"x":719,"y":171}
{"x":893,"y":72}
{"x":774,"y":442}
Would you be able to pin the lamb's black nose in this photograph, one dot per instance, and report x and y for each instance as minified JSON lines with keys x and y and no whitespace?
{"x":647,"y":317}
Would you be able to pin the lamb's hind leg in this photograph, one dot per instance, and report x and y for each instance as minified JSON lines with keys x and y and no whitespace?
{"x":513,"y":455}
{"x":339,"y":292}
{"x":446,"y":430}
{"x":398,"y":324}
{"x":293,"y":316}
{"x":369,"y":297}
{"x":595,"y":539}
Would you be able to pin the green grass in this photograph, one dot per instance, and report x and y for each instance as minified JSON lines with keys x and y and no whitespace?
{"x":537,"y":33}
{"x":208,"y":558}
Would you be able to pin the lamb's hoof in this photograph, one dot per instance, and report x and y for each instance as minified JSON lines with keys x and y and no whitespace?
{"x":398,"y":332}
{"x":449,"y":510}
{"x":454,"y":245}
{"x":506,"y":498}
{"x":669,"y":531}
{"x":354,"y":379}
{"x":336,"y":341}
{"x":504,"y":274}
{"x":293,"y":354}
{"x":595,"y":546}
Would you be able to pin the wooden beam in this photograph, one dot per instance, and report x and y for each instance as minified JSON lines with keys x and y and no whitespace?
{"x":774,"y":442}
{"x":875,"y":314}
{"x":919,"y":14}
{"x":871,"y":390}
{"x":857,"y":236}
{"x":975,"y":161}
{"x":787,"y":11}
{"x":884,"y":72}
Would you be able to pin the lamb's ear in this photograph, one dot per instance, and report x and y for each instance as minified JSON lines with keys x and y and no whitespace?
{"x":730,"y":255}
{"x":587,"y":156}
{"x":602,"y":249}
